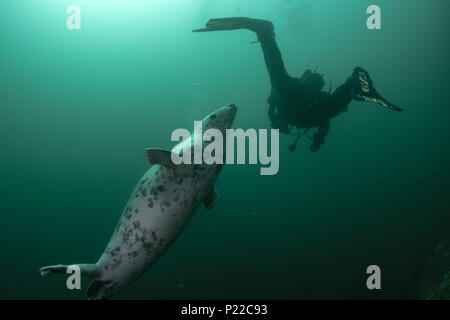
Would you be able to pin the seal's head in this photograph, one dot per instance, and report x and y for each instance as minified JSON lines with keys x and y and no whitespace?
{"x":220,"y":119}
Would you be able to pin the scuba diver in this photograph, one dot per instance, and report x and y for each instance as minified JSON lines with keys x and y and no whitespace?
{"x":301,"y":102}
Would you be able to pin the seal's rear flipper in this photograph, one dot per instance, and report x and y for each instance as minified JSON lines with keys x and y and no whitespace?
{"x":363,"y":90}
{"x":211,"y":199}
{"x":91,"y":271}
{"x":98,"y":290}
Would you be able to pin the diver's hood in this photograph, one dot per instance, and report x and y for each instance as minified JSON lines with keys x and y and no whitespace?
{"x":312,"y":80}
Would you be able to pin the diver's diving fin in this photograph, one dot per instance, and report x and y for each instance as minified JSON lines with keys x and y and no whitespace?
{"x":235,"y":23}
{"x":363,"y":90}
{"x":223,"y":24}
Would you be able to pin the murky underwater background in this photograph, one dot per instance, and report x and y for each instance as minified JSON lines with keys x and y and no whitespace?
{"x":78,"y":108}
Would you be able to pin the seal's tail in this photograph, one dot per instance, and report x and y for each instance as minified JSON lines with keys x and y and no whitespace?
{"x":91,"y":271}
{"x":98,"y":288}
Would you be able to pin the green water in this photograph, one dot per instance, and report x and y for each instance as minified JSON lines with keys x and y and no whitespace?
{"x":78,"y":108}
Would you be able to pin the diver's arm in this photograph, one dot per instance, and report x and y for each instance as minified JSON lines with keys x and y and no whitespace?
{"x":276,"y":121}
{"x":319,"y":137}
{"x":323,"y":130}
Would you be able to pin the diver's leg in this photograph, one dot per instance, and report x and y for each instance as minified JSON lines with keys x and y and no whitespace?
{"x":266,"y":36}
{"x":273,"y":59}
{"x":339,"y":99}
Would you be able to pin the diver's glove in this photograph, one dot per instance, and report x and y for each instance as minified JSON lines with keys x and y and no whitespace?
{"x":317,"y":142}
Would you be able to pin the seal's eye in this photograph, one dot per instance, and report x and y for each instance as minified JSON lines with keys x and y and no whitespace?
{"x":213,"y":116}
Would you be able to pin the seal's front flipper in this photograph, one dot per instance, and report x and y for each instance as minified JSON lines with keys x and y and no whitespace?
{"x":211,"y":199}
{"x":160,"y":156}
{"x":91,"y":271}
{"x":363,"y":90}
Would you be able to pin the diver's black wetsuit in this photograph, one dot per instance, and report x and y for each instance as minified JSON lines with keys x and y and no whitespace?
{"x":300,"y":102}
{"x":290,"y":104}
